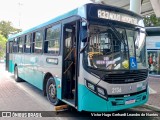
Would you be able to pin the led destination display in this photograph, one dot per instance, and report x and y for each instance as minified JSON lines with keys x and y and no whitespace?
{"x":117,"y":17}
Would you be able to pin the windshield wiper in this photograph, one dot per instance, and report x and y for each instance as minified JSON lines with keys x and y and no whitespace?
{"x":117,"y":34}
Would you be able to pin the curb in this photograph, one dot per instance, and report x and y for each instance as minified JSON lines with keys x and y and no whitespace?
{"x":151,"y":107}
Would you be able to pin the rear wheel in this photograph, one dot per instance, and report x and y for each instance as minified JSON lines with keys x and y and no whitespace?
{"x":52,"y":91}
{"x":16,"y":77}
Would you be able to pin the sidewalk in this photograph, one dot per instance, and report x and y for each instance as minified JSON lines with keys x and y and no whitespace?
{"x":154,"y":97}
{"x":13,"y":98}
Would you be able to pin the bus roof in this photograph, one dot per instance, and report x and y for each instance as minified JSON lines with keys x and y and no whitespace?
{"x":76,"y":11}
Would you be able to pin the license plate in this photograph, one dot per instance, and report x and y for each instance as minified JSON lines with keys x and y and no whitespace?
{"x":130,"y":101}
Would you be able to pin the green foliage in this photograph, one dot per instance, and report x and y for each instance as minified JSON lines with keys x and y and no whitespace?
{"x":6,"y":28}
{"x":151,"y":21}
{"x":3,"y":41}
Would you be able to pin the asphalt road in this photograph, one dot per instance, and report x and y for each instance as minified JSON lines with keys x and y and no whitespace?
{"x":25,"y":97}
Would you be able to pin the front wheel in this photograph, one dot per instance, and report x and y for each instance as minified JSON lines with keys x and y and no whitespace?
{"x":52,"y":92}
{"x":16,"y":77}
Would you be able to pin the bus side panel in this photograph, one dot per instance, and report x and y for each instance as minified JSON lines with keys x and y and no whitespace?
{"x":53,"y":65}
{"x":36,"y":66}
{"x":59,"y":88}
{"x":18,"y":59}
{"x":11,"y":63}
{"x":28,"y":69}
{"x":38,"y":71}
{"x":32,"y":74}
{"x":38,"y":79}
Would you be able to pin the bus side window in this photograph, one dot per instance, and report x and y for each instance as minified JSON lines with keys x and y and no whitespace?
{"x":52,"y":40}
{"x":10,"y":46}
{"x":21,"y":44}
{"x":38,"y":40}
{"x":15,"y":46}
{"x":27,"y":46}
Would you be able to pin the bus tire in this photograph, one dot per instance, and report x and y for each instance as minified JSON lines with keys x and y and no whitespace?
{"x":52,"y":91}
{"x":16,"y":77}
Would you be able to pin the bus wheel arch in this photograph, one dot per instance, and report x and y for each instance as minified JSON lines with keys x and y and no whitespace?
{"x":16,"y":77}
{"x":46,"y":77}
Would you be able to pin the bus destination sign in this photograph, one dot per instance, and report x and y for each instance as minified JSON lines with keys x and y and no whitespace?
{"x":117,"y":17}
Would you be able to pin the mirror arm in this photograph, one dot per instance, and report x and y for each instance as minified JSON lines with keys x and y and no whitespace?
{"x":83,"y":19}
{"x":84,"y":47}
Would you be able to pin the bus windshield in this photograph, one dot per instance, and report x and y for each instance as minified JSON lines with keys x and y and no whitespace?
{"x":111,"y":49}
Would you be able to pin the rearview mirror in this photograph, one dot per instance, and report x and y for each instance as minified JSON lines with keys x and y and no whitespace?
{"x":84,"y":34}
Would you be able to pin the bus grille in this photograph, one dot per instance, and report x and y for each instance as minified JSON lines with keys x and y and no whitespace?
{"x":126,"y":77}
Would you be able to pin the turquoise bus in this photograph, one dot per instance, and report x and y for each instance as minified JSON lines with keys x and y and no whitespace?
{"x":91,"y":58}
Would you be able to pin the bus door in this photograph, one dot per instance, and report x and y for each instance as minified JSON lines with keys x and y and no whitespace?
{"x":7,"y":56}
{"x":70,"y":58}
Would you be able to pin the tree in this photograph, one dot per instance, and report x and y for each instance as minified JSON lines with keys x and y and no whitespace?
{"x":3,"y":41}
{"x":151,"y":21}
{"x":6,"y":28}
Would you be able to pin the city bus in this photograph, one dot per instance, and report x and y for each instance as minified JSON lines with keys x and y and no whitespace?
{"x":92,"y":58}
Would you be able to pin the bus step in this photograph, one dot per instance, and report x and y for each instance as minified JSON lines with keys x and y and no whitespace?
{"x":61,"y":108}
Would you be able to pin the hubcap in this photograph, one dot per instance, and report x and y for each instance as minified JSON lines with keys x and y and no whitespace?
{"x":52,"y":91}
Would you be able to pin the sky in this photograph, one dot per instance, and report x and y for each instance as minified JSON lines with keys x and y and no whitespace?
{"x":25,"y":14}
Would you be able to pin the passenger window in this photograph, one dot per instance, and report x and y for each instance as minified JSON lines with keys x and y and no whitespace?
{"x":52,"y":42}
{"x":38,"y":40}
{"x":10,"y":47}
{"x":21,"y":43}
{"x":15,"y":46}
{"x":27,"y":44}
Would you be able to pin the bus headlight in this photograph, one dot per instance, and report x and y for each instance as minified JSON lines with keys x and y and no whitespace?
{"x":97,"y":89}
{"x":90,"y":86}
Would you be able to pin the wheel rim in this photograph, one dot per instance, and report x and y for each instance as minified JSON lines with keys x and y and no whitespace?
{"x":52,"y":91}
